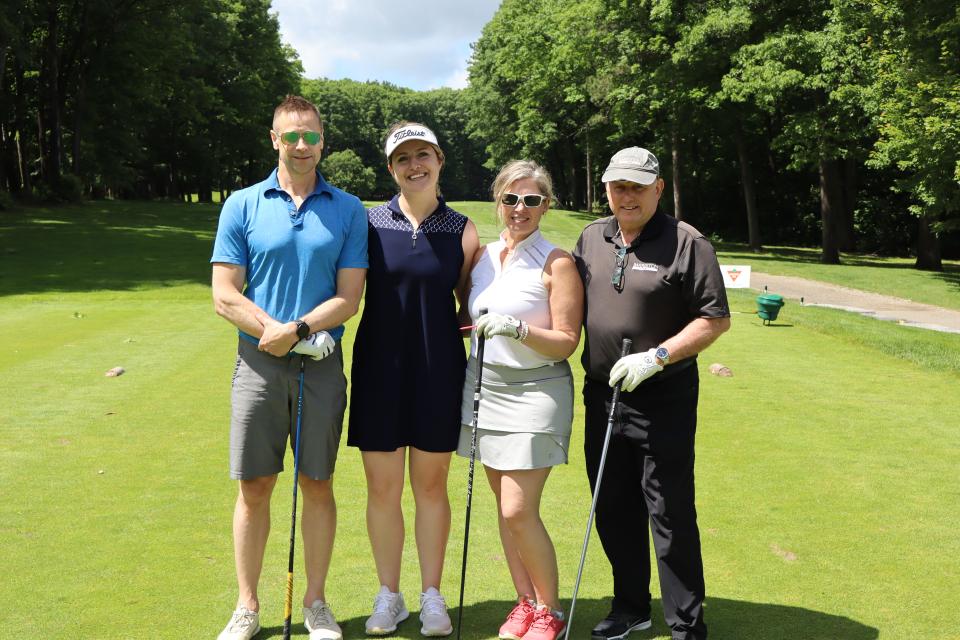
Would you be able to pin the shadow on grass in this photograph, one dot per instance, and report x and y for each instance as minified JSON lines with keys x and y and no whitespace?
{"x":105,"y":245}
{"x":725,"y":619}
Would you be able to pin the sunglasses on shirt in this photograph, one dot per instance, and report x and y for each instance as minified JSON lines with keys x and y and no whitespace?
{"x":617,"y":278}
{"x":530,"y":201}
{"x":293,"y":137}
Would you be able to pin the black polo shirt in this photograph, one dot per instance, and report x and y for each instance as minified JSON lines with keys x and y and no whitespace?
{"x":671,"y":276}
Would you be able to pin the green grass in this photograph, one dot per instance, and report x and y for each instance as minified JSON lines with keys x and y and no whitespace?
{"x":826,"y":468}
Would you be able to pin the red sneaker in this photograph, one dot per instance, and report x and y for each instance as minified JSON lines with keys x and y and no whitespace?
{"x":518,"y":621}
{"x":545,"y":626}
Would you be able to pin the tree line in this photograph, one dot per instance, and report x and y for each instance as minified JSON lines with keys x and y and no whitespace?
{"x":832,"y":122}
{"x":138,"y":98}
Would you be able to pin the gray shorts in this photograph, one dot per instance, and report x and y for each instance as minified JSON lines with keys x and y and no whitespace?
{"x":264,"y":412}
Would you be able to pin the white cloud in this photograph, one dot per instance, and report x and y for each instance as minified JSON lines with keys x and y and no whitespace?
{"x":423,"y":47}
{"x":458,"y":79}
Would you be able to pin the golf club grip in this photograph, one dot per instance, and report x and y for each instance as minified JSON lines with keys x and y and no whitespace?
{"x":625,"y":347}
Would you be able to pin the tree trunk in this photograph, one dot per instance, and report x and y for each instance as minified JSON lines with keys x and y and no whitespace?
{"x":830,"y":201}
{"x":54,"y":150}
{"x":41,"y":157}
{"x":569,"y":154}
{"x":21,"y":161}
{"x":77,"y":110}
{"x":928,"y":247}
{"x":589,"y":180}
{"x":847,"y":234}
{"x":675,"y":158}
{"x":4,"y":156}
{"x":4,"y":152}
{"x":22,"y":121}
{"x":749,"y":191}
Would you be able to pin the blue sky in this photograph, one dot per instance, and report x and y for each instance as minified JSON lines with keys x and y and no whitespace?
{"x":422,"y":45}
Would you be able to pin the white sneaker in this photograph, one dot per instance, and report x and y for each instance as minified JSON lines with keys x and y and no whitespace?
{"x":388,"y":612}
{"x":433,"y":614}
{"x":319,"y":621}
{"x":242,"y":626}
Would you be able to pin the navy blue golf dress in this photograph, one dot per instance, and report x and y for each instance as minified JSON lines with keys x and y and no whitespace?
{"x":408,"y":356}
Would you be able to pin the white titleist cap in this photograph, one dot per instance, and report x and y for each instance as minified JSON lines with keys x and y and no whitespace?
{"x":634,"y":164}
{"x":409,"y":132}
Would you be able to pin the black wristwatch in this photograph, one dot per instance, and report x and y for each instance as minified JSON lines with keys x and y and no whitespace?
{"x":303,"y":329}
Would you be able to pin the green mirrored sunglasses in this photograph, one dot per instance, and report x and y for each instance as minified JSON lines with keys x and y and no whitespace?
{"x":292,"y":137}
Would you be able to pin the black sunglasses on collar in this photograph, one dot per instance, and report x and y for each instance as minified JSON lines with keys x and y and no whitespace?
{"x":617,"y":278}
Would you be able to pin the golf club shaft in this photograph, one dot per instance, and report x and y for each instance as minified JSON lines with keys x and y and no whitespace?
{"x":288,"y":604}
{"x":611,"y":417}
{"x":473,"y":455}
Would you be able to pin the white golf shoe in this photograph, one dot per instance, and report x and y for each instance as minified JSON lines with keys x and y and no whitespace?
{"x":243,"y":625}
{"x":319,"y":621}
{"x":434,"y":619}
{"x":388,"y":611}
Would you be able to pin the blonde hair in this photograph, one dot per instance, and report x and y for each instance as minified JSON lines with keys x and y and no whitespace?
{"x":521,"y":170}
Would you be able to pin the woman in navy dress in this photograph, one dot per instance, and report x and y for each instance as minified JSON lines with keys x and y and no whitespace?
{"x":408,"y":372}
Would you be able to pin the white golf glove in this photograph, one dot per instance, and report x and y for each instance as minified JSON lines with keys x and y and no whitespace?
{"x":634,"y":369}
{"x":317,"y":345}
{"x":494,"y":324}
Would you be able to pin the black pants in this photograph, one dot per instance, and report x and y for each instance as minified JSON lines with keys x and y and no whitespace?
{"x":648,"y":477}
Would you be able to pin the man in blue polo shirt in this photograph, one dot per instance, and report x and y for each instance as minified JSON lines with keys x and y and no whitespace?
{"x":289,"y":264}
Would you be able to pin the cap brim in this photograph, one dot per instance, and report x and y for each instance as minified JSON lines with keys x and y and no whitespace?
{"x":632,"y":175}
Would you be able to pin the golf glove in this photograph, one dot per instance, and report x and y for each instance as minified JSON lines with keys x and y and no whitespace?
{"x":317,"y":345}
{"x":494,"y":324}
{"x":634,"y":369}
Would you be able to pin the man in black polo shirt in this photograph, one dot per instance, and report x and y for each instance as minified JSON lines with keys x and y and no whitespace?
{"x":655,"y":280}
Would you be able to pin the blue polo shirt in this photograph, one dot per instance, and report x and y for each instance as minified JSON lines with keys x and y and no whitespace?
{"x":291,"y":255}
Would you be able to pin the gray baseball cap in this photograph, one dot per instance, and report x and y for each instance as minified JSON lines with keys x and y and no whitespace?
{"x":634,"y":164}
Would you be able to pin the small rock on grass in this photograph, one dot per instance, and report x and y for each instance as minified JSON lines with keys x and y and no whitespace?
{"x":116,"y":371}
{"x":723,"y":371}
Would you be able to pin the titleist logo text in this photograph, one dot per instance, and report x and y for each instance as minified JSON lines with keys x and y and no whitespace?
{"x":406,"y":133}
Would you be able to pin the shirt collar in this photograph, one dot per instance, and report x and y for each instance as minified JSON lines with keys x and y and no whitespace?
{"x":272,"y":183}
{"x":394,"y":207}
{"x":530,"y":239}
{"x":651,"y":230}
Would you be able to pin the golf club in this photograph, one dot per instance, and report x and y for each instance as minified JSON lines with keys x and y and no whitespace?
{"x":288,"y":605}
{"x":624,"y":350}
{"x":473,"y":455}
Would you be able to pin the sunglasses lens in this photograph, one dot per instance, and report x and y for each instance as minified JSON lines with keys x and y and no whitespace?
{"x":532,"y":200}
{"x":290,"y":137}
{"x":510,"y":199}
{"x":311,"y":137}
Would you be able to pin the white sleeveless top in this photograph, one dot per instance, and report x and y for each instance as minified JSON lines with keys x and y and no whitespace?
{"x":515,"y":289}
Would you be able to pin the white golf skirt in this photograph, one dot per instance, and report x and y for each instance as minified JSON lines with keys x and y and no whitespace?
{"x":525,"y":416}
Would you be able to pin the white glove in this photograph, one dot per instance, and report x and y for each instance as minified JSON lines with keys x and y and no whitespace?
{"x":317,"y":345}
{"x":634,"y":369}
{"x":494,"y":324}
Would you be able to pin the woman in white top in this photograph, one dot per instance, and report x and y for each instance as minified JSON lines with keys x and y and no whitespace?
{"x":534,"y":301}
